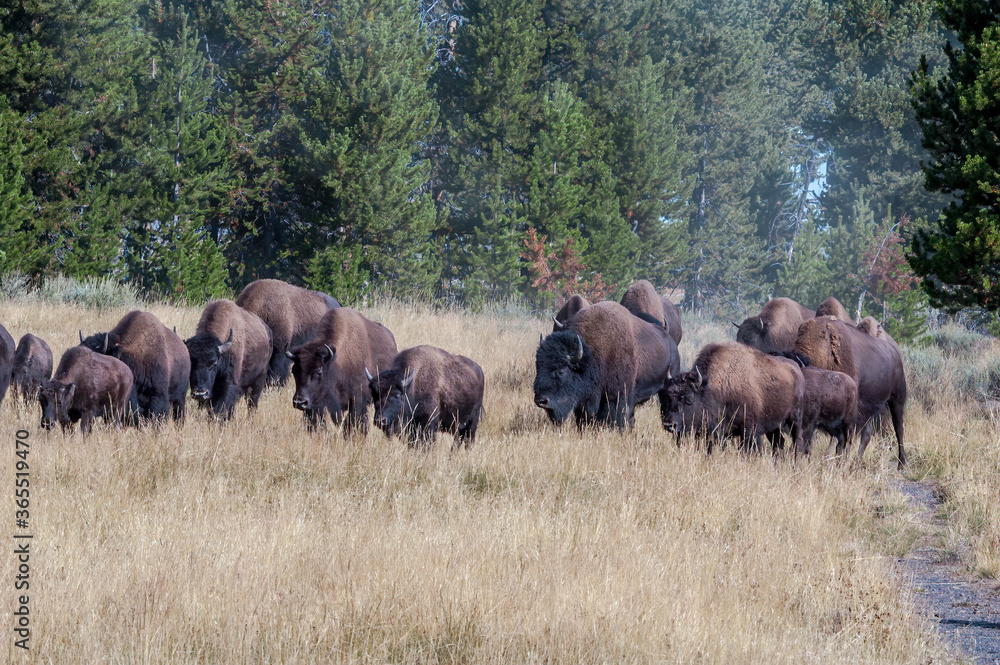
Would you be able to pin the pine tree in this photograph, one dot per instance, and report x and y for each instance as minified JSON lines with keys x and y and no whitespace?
{"x":960,"y":260}
{"x":17,"y":244}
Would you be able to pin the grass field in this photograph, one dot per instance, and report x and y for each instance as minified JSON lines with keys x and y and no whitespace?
{"x":256,"y":542}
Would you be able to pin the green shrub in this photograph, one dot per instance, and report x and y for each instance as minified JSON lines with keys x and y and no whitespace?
{"x":955,"y":340}
{"x":95,"y":293}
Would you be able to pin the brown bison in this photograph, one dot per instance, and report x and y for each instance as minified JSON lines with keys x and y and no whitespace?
{"x":87,"y":384}
{"x":7,"y":350}
{"x":831,"y":404}
{"x":230,"y":352}
{"x":292,"y":313}
{"x":32,"y":366}
{"x":572,"y":306}
{"x":642,"y":297}
{"x":330,"y":370}
{"x":872,"y":327}
{"x":157,"y":357}
{"x":735,"y":390}
{"x":602,"y":365}
{"x":427,"y":389}
{"x":832,"y":307}
{"x":874,"y":363}
{"x":774,"y":330}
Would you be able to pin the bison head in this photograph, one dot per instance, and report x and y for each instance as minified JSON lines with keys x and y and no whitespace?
{"x":55,"y":399}
{"x":566,"y":375}
{"x":680,"y":401}
{"x":313,"y":369}
{"x":752,"y":331}
{"x":391,"y":397}
{"x":104,"y":342}
{"x":209,"y":357}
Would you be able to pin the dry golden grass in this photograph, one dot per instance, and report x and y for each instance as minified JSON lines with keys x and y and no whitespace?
{"x":257,"y":542}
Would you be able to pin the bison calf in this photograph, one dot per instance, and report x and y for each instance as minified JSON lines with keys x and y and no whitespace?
{"x":427,"y":389}
{"x":831,"y":404}
{"x":329,"y":371}
{"x":32,"y":366}
{"x":86,"y":385}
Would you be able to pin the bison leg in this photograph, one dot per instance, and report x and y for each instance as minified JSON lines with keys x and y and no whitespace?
{"x":224,"y":407}
{"x":254,"y":391}
{"x":896,"y":410}
{"x":177,"y":411}
{"x":467,"y":432}
{"x":159,"y":407}
{"x":86,"y":423}
{"x":866,"y":434}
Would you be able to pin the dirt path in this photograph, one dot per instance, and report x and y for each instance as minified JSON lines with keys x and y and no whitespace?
{"x":966,"y":611}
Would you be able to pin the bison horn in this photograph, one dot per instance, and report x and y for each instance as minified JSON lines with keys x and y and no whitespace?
{"x":408,"y":379}
{"x":760,"y":323}
{"x":559,"y":324}
{"x":329,"y":351}
{"x":735,"y":324}
{"x":700,"y":378}
{"x":579,"y":351}
{"x":104,"y":348}
{"x":81,"y":337}
{"x":369,"y":375}
{"x":289,"y":354}
{"x":228,"y":343}
{"x":541,"y":338}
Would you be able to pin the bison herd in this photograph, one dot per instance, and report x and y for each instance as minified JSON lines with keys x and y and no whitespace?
{"x":792,"y":371}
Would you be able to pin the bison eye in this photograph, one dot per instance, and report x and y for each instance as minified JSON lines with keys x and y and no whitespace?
{"x":560,"y":373}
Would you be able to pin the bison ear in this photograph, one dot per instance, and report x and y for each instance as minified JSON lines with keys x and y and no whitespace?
{"x":225,"y":346}
{"x":408,"y":379}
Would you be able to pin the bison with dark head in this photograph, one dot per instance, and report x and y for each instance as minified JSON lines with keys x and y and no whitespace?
{"x":427,"y":389}
{"x":605,"y":363}
{"x":229,"y":352}
{"x":330,"y":370}
{"x":32,"y":366}
{"x":874,"y":363}
{"x":291,"y":312}
{"x":642,"y":298}
{"x":775,"y":328}
{"x":7,"y":350}
{"x":735,"y":390}
{"x":572,"y":306}
{"x":832,"y":307}
{"x":157,"y":357}
{"x":87,"y":385}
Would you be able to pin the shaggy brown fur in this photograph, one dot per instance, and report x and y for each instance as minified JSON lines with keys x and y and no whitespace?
{"x":831,"y":404}
{"x":230,"y":352}
{"x":642,"y":298}
{"x":872,"y":327}
{"x":329,"y":370}
{"x":775,"y":328}
{"x":874,"y":363}
{"x":625,"y":362}
{"x":157,"y":357}
{"x":735,"y":390}
{"x":572,"y":306}
{"x":6,"y":360}
{"x":428,"y":388}
{"x":87,"y":384}
{"x":832,"y":307}
{"x":32,"y":366}
{"x":291,"y":312}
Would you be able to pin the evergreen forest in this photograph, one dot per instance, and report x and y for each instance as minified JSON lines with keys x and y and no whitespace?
{"x":476,"y":151}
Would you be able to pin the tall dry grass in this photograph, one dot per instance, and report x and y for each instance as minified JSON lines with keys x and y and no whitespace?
{"x":254,"y":541}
